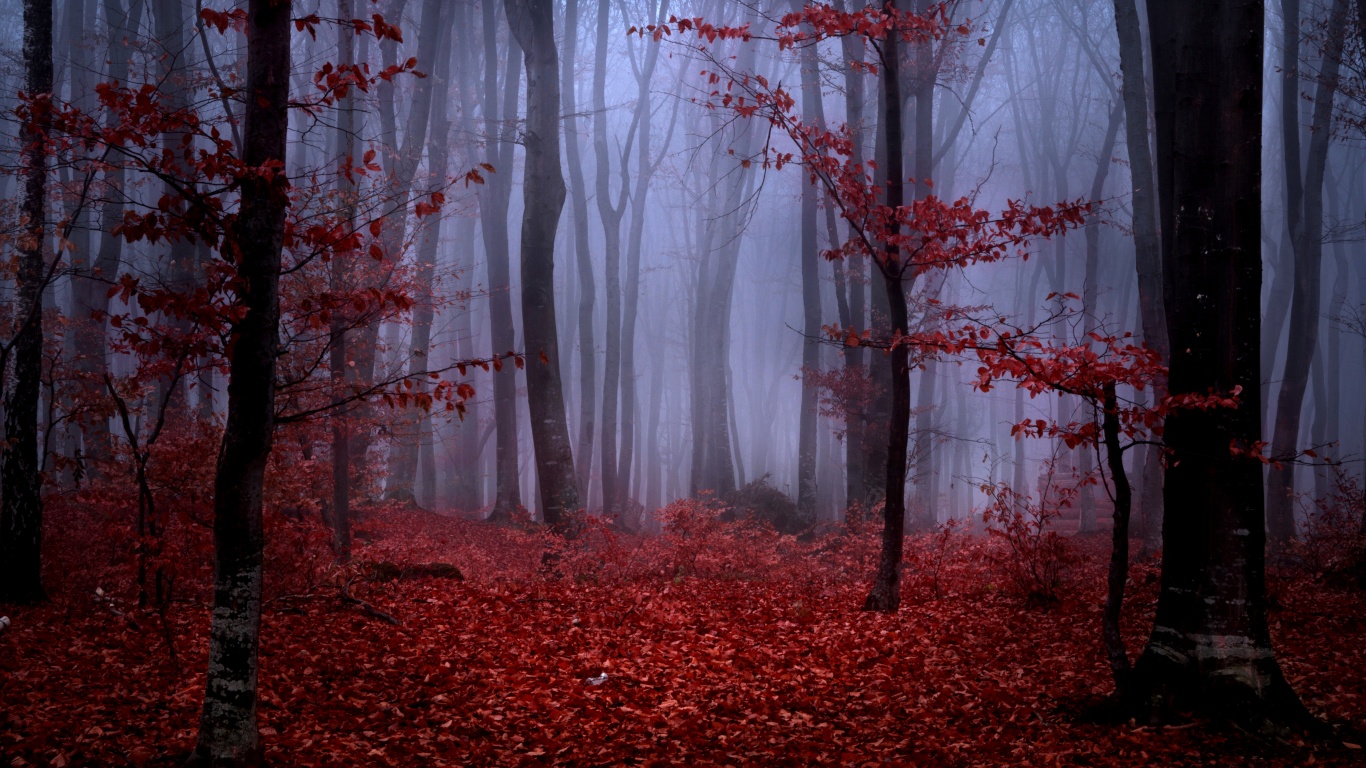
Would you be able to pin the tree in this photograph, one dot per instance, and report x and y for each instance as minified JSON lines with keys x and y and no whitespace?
{"x":493,"y":207}
{"x":21,"y":509}
{"x":228,"y":729}
{"x":583,"y":257}
{"x":532,"y":22}
{"x":1304,"y":206}
{"x":809,"y":259}
{"x":1210,"y":648}
{"x":1147,"y":238}
{"x":904,"y":241}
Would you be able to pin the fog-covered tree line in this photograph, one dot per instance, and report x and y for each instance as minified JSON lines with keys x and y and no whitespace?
{"x":530,"y":259}
{"x":688,"y":335}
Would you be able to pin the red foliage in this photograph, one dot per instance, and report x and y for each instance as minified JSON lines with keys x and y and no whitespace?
{"x":618,"y":659}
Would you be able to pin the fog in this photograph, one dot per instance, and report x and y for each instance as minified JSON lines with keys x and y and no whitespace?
{"x":678,"y":263}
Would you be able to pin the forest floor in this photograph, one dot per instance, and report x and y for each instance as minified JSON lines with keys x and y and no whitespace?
{"x":725,"y":647}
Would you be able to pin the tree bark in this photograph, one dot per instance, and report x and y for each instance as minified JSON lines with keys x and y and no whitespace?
{"x":645,"y":170}
{"x":583,"y":256}
{"x":21,"y":505}
{"x":611,"y":215}
{"x":228,"y":729}
{"x":493,"y":208}
{"x":532,"y":22}
{"x":1087,"y":501}
{"x":1210,"y":649}
{"x":399,"y":482}
{"x":340,"y":277}
{"x":1118,"y":574}
{"x":809,"y":260}
{"x":1307,"y":294}
{"x":886,"y":591}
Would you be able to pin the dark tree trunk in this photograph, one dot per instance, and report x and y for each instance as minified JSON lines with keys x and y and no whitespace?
{"x":417,"y":421}
{"x":435,"y":24}
{"x":227,"y":731}
{"x":1210,"y":649}
{"x":89,"y":296}
{"x":610,"y":214}
{"x":532,"y":22}
{"x":583,"y":256}
{"x":493,"y":207}
{"x":21,"y":508}
{"x":1087,"y":502}
{"x":340,"y":276}
{"x":1147,"y":237}
{"x":640,"y":195}
{"x":176,"y":91}
{"x":886,"y":592}
{"x":462,"y":481}
{"x":1307,"y":238}
{"x":926,"y":497}
{"x":809,"y":259}
{"x":858,"y":435}
{"x":1119,"y":544}
{"x":880,"y":370}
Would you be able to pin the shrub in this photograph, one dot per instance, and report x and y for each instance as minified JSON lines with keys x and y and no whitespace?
{"x":1034,"y":559}
{"x":1333,"y":545}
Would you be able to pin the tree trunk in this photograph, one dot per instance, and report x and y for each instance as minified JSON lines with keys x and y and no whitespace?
{"x":645,"y":170}
{"x":227,"y":731}
{"x":493,"y":208}
{"x":340,"y":276}
{"x":21,"y":508}
{"x":926,"y":495}
{"x":583,"y":256}
{"x":1087,"y":501}
{"x":1147,"y":236}
{"x":857,"y":433}
{"x":1119,"y":544}
{"x":422,"y":115}
{"x":1307,"y":236}
{"x":886,"y":591}
{"x":1210,"y":649}
{"x":610,"y":215}
{"x":532,"y":22}
{"x":809,"y":259}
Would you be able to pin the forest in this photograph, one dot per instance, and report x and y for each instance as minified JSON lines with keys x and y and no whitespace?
{"x":698,"y":382}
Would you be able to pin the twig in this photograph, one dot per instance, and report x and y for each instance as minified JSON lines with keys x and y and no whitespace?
{"x":351,"y":599}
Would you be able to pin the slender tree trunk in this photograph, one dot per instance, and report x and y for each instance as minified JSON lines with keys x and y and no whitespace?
{"x":1308,"y":292}
{"x":886,"y":591}
{"x":809,"y":259}
{"x":645,"y":169}
{"x":610,"y":215}
{"x":421,"y":116}
{"x":1118,"y":574}
{"x":1087,"y":506}
{"x":583,"y":256}
{"x":493,"y":208}
{"x":341,"y":278}
{"x":858,"y":434}
{"x":227,"y":731}
{"x":1210,"y":649}
{"x":21,"y":505}
{"x":880,"y":375}
{"x":532,"y":22}
{"x":926,"y":480}
{"x":654,"y":494}
{"x":90,"y":295}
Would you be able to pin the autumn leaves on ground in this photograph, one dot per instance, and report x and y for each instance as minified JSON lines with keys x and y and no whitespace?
{"x":712,"y":644}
